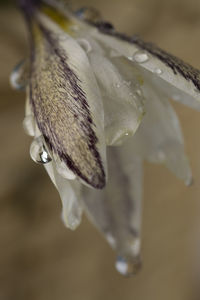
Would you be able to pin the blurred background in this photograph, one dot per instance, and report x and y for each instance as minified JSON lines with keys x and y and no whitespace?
{"x":39,"y":258}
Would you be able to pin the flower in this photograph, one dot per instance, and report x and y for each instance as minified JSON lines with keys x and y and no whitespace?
{"x":97,"y":106}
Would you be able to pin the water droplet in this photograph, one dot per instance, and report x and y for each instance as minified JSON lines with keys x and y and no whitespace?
{"x":158,"y":71}
{"x":38,"y":151}
{"x":29,"y":125}
{"x":128,"y":267}
{"x":140,"y":57}
{"x":63,"y":170}
{"x":139,"y":92}
{"x":118,"y":85}
{"x":18,"y":77}
{"x":85,"y":45}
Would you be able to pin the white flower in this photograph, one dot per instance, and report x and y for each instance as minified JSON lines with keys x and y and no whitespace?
{"x":97,"y":106}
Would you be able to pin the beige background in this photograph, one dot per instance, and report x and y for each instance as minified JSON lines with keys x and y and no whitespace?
{"x":39,"y":258}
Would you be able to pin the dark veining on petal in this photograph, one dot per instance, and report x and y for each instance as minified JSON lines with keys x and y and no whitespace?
{"x":176,"y":64}
{"x":62,"y":111}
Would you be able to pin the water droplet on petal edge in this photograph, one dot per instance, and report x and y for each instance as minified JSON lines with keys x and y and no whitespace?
{"x":38,"y":152}
{"x":141,"y":57}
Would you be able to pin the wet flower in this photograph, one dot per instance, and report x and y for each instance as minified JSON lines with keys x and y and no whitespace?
{"x":97,"y":106}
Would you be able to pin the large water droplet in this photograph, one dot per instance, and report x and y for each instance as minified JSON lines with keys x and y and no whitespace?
{"x":29,"y":125}
{"x":19,"y":76}
{"x":128,"y":267}
{"x":140,"y":57}
{"x":38,"y":152}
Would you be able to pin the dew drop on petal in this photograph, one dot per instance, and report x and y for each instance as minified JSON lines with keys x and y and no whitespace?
{"x":38,"y":152}
{"x":140,"y":57}
{"x":127,"y":134}
{"x":85,"y":45}
{"x":29,"y":125}
{"x":158,"y":71}
{"x":118,"y":85}
{"x":128,"y":267}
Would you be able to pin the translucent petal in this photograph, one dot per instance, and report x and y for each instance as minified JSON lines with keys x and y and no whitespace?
{"x":159,"y":138}
{"x":123,"y":107}
{"x":166,"y":73}
{"x":29,"y":123}
{"x":116,"y":210}
{"x":70,"y":195}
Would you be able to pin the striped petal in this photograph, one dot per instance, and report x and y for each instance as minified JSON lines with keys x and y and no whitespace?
{"x":66,"y":101}
{"x":167,"y":73}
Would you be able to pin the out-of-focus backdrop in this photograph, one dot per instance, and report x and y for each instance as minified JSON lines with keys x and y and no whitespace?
{"x":39,"y":258}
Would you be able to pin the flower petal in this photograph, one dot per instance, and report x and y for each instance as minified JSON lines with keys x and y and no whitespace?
{"x":175,"y":78}
{"x":70,"y":195}
{"x":66,"y":102}
{"x":123,"y":105}
{"x":116,"y":210}
{"x":159,"y":138}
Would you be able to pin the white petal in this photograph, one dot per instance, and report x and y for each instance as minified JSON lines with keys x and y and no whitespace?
{"x":123,"y":105}
{"x":116,"y":211}
{"x":70,"y":195}
{"x":159,"y":138}
{"x":167,"y":73}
